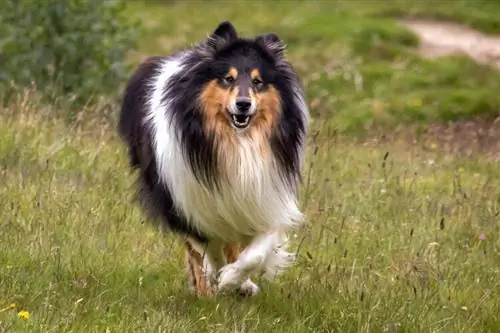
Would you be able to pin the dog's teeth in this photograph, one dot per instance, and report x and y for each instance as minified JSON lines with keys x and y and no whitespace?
{"x":240,"y":123}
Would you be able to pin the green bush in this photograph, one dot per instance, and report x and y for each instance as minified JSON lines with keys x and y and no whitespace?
{"x":73,"y":49}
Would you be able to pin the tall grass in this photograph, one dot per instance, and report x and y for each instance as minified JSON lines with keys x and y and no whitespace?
{"x":399,"y":238}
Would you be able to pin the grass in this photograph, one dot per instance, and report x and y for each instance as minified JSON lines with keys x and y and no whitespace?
{"x":359,"y":66}
{"x":399,"y":239}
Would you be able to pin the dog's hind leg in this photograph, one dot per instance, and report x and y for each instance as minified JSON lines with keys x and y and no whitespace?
{"x":211,"y":258}
{"x":198,"y":279}
{"x":232,"y":252}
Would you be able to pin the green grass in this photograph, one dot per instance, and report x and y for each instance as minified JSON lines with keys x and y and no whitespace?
{"x":375,"y":256}
{"x":393,"y":241}
{"x":358,"y":65}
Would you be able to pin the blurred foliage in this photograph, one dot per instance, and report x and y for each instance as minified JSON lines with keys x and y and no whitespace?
{"x":68,"y":49}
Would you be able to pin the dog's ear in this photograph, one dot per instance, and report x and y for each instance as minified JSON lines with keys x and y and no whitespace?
{"x":273,"y":44}
{"x":223,"y":35}
{"x":226,"y":31}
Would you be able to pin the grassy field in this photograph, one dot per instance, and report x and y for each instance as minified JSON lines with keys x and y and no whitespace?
{"x":399,"y":238}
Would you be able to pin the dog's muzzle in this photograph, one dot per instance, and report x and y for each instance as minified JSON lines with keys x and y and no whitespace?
{"x":243,"y":112}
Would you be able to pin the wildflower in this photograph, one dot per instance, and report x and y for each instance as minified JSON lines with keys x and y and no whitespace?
{"x":8,"y":307}
{"x":482,"y":237}
{"x":24,"y":315}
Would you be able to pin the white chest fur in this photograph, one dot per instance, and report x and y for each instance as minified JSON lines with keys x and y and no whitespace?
{"x":252,"y":198}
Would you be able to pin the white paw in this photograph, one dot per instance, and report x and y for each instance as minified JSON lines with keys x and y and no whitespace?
{"x":248,"y":288}
{"x":230,"y":278}
{"x":278,"y":261}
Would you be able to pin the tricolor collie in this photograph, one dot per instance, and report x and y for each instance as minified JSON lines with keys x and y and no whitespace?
{"x":217,"y":132}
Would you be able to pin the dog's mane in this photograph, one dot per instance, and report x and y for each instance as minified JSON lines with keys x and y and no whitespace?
{"x":201,"y":147}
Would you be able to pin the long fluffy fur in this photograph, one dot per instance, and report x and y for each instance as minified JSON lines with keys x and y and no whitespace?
{"x":217,"y":188}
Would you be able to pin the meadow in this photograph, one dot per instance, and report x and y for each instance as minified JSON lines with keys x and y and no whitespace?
{"x":403,"y":227}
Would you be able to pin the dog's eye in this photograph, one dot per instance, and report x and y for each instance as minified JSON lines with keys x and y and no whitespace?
{"x":256,"y":81}
{"x":228,"y":79}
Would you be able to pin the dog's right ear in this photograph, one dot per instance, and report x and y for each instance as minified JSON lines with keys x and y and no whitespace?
{"x":223,"y":35}
{"x":226,"y":31}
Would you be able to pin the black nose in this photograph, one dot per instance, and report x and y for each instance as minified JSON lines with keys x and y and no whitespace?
{"x":243,"y":104}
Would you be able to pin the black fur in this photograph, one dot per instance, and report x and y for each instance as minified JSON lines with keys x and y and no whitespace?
{"x":208,"y":60}
{"x":153,"y":195}
{"x":198,"y":147}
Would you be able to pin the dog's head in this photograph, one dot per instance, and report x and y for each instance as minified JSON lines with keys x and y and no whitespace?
{"x":243,"y":76}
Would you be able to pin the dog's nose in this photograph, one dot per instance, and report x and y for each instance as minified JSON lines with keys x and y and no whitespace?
{"x":243,"y":104}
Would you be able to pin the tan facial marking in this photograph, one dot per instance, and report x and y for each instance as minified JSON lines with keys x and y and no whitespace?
{"x":255,"y":74}
{"x":214,"y":100}
{"x":233,"y":72}
{"x":268,"y":110}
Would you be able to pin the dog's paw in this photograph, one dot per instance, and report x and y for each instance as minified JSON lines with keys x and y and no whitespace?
{"x":230,"y":278}
{"x":248,"y":288}
{"x":277,"y":262}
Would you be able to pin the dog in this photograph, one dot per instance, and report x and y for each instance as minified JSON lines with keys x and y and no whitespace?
{"x":217,"y":132}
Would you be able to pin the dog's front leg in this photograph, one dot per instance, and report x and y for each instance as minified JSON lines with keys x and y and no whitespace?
{"x":264,"y":254}
{"x":232,"y":252}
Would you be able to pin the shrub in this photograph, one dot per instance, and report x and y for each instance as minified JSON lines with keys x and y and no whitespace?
{"x":68,"y":48}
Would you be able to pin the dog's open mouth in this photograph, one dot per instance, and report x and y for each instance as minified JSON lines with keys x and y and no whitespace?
{"x":240,"y":120}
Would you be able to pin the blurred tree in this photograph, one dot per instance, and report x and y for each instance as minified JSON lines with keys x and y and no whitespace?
{"x":67,"y":48}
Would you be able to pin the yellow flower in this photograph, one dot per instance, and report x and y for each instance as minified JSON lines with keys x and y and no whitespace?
{"x":24,"y":314}
{"x":8,"y":307}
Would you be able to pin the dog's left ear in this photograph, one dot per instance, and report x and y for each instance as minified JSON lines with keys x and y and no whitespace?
{"x":273,"y":44}
{"x":224,"y":34}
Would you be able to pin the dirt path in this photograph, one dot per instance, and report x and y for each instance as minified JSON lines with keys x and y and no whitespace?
{"x":465,"y":137}
{"x":440,"y":39}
